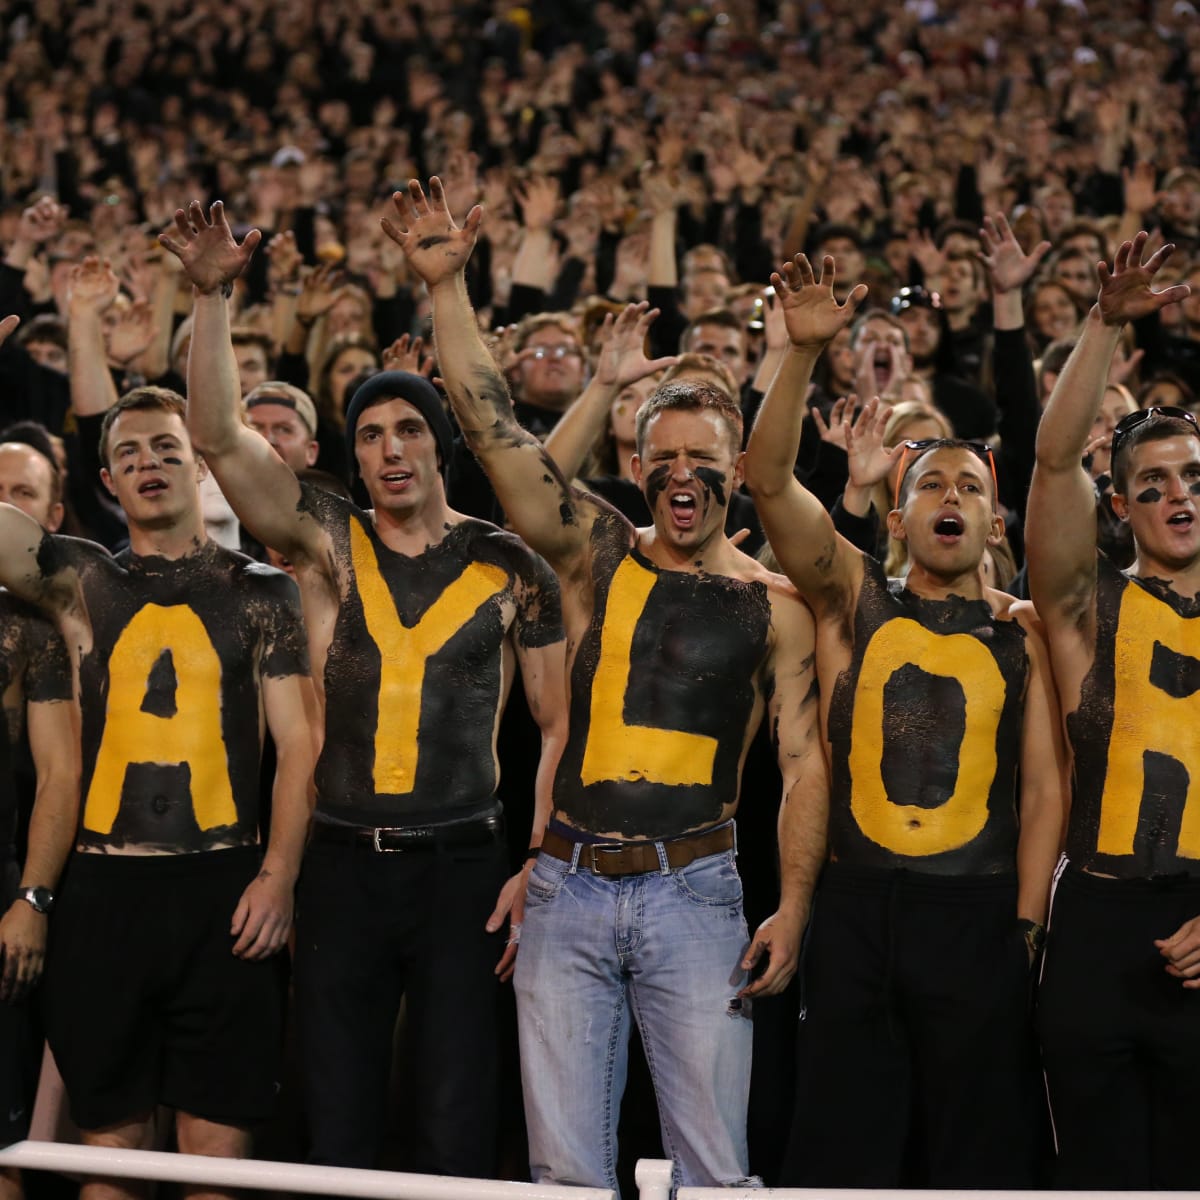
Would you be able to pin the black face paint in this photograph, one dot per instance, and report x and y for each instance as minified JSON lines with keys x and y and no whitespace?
{"x":1149,"y":496}
{"x":1194,"y":489}
{"x":656,"y":484}
{"x":714,"y":481}
{"x":172,"y":461}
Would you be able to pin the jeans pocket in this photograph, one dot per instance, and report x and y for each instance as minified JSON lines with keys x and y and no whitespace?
{"x":712,"y":880}
{"x":545,"y":880}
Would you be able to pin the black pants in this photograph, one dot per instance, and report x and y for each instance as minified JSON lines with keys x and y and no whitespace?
{"x":1120,"y":1037}
{"x":370,"y":929}
{"x":915,"y":1056}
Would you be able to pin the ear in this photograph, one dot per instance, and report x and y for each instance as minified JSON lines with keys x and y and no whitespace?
{"x":996,"y":533}
{"x":107,"y":480}
{"x":739,"y":470}
{"x":895,"y":525}
{"x":201,"y":469}
{"x":57,"y":512}
{"x":1120,"y":506}
{"x":310,"y":455}
{"x":635,"y":469}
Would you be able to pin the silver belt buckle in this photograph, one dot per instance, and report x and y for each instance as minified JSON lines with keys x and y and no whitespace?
{"x":381,"y":849}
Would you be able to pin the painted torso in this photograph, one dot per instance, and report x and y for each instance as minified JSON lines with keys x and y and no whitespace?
{"x":170,"y":693}
{"x":664,"y":697}
{"x":1135,"y":736}
{"x":414,"y":672}
{"x":925,"y":734}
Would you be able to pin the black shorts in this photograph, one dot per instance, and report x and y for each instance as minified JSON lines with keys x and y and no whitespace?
{"x":18,"y":1060}
{"x":145,"y":1003}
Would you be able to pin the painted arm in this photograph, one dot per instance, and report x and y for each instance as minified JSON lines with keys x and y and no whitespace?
{"x":263,"y":917}
{"x":259,"y":486}
{"x":821,"y":565}
{"x":794,"y":713}
{"x":544,"y":677}
{"x":550,"y":515}
{"x":1061,"y":518}
{"x":1045,"y":786}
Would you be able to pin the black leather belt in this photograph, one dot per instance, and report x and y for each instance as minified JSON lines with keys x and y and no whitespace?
{"x":479,"y":831}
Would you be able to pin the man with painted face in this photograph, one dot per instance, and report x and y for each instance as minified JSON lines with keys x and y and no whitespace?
{"x":180,"y":648}
{"x":417,"y":617}
{"x":1118,"y":1007}
{"x":679,"y":643}
{"x":915,"y":1053}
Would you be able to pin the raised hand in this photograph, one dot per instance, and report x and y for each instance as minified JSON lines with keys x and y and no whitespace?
{"x":810,"y":310}
{"x":211,"y":256}
{"x":132,"y":333}
{"x":1140,"y":193}
{"x":408,"y":354}
{"x":835,"y":431}
{"x":1007,"y":264}
{"x":41,"y":221}
{"x":284,"y":260}
{"x":436,"y":248}
{"x":868,"y":460}
{"x":92,"y":286}
{"x":319,"y":292}
{"x":623,"y":358}
{"x":1125,"y":292}
{"x":539,"y":201}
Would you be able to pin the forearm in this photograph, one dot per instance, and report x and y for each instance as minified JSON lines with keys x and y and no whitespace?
{"x":52,"y":825}
{"x":214,"y":389}
{"x":663,"y":270}
{"x":92,"y":389}
{"x":291,"y":805}
{"x":535,"y":256}
{"x":1067,"y":422}
{"x":572,"y":439}
{"x":157,"y":358}
{"x":775,"y":442}
{"x":803,"y":820}
{"x":1037,"y":852}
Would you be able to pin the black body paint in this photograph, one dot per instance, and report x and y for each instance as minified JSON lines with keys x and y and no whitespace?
{"x":714,"y":481}
{"x":1149,"y":496}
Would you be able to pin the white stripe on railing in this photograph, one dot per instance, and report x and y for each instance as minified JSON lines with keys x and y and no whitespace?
{"x":277,"y":1176}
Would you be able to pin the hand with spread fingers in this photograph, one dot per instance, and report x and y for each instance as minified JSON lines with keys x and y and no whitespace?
{"x":1125,"y":291}
{"x":623,"y":347}
{"x":436,"y":248}
{"x":1008,"y":266}
{"x":211,"y":256}
{"x":810,"y":310}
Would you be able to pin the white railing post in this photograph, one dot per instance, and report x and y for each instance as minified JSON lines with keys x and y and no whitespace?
{"x":653,"y":1176}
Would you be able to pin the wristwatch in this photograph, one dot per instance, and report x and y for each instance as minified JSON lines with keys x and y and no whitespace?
{"x":40,"y":899}
{"x":1034,"y":933}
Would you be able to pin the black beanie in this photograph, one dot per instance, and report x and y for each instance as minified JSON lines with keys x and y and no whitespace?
{"x":419,"y":392}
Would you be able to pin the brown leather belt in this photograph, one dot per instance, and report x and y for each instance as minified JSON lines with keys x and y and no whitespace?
{"x":639,"y":858}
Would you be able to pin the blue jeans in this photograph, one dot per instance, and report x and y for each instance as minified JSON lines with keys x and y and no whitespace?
{"x":666,"y":946}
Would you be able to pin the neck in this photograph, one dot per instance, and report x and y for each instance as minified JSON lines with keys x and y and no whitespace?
{"x":175,"y":541}
{"x":714,"y":556}
{"x":932,"y":585}
{"x":412,"y":531}
{"x":961,"y":319}
{"x":625,"y":453}
{"x":1184,"y":579}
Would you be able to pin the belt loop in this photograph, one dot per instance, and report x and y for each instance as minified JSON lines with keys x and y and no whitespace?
{"x":664,"y":867}
{"x":733,"y":823}
{"x":575,"y":852}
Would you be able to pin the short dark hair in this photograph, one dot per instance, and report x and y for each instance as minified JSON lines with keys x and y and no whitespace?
{"x":143,"y":399}
{"x":1156,"y":428}
{"x":246,"y":335}
{"x":724,"y":317}
{"x":691,"y":396}
{"x":45,"y":327}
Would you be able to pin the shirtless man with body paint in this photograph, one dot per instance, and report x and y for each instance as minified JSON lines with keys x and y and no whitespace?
{"x":1119,"y":1004}
{"x":678,"y":644}
{"x":417,"y":618}
{"x":916,"y":1045}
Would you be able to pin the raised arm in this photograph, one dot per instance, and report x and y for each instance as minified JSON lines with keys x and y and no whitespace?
{"x":259,"y":486}
{"x":554,"y":518}
{"x":622,"y":362}
{"x":1060,"y":521}
{"x":92,"y":289}
{"x":822,"y":565}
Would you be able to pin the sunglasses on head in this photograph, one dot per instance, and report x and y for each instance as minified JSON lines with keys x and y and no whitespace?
{"x":1126,"y":425}
{"x":913,"y":449}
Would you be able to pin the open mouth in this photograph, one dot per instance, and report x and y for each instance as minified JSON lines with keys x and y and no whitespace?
{"x":949,"y":527}
{"x":1182,"y":520}
{"x":683,"y":509}
{"x":396,"y":481}
{"x":882,"y":365}
{"x":152,"y":487}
